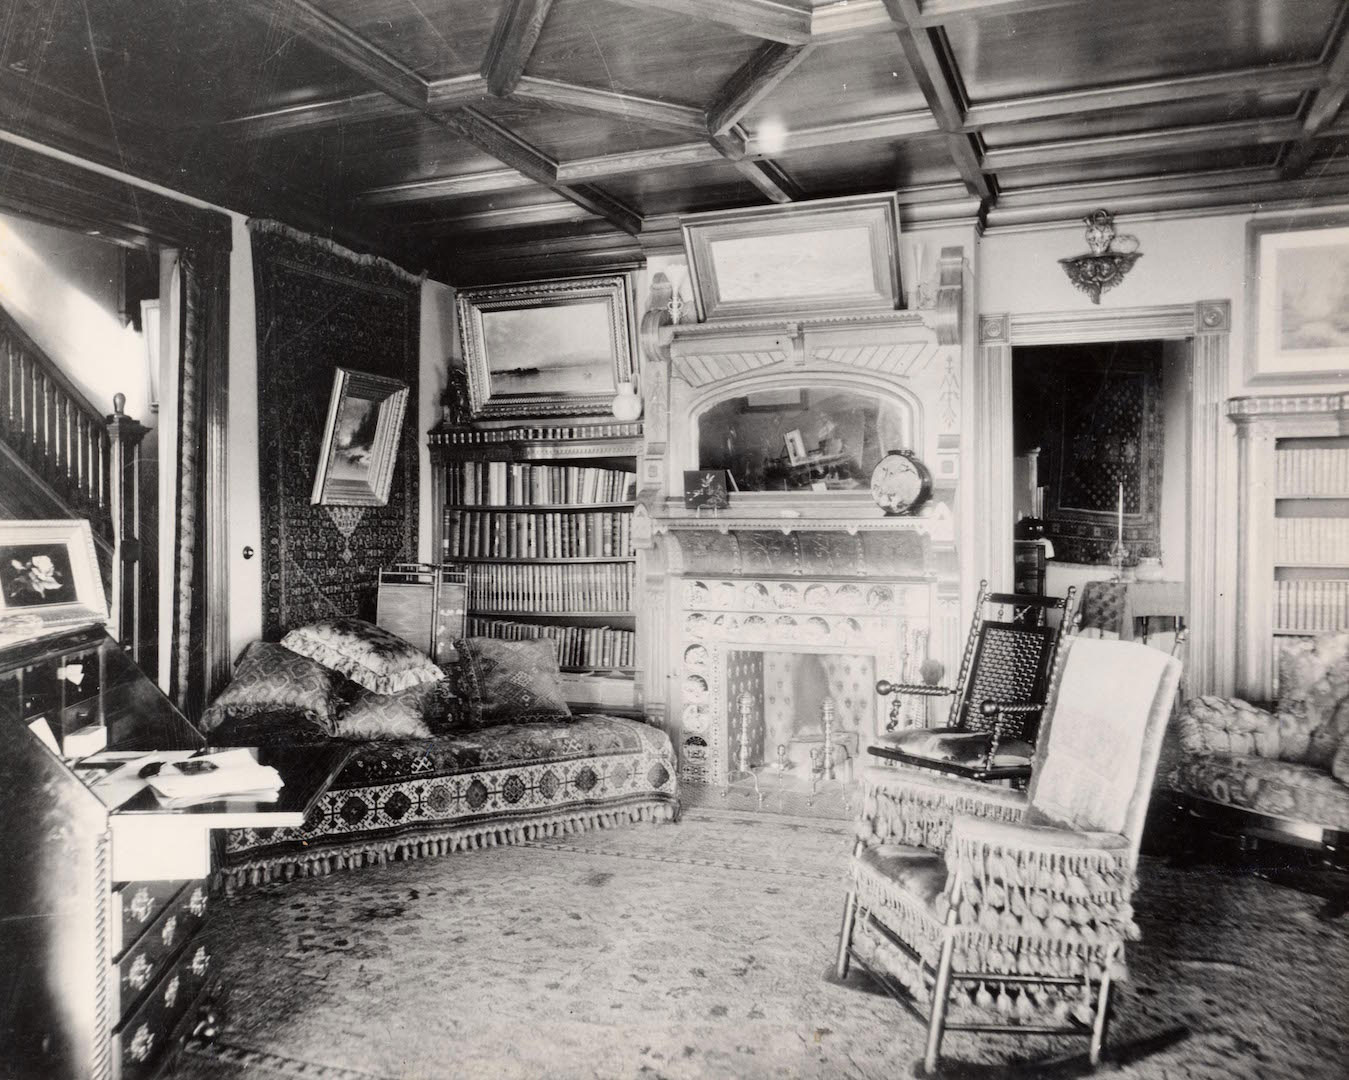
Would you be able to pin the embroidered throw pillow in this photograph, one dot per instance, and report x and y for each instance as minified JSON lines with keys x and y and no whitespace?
{"x":418,"y":712}
{"x":364,"y":653}
{"x":273,"y":678}
{"x":507,"y":681}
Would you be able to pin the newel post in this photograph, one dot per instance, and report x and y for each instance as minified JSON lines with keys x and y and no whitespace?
{"x":124,"y":504}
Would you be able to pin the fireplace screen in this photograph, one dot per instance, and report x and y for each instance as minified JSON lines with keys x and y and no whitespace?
{"x":801,"y":439}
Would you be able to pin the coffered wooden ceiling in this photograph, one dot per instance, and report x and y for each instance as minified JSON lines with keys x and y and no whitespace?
{"x":488,"y":139}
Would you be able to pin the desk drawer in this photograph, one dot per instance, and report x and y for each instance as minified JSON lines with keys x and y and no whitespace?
{"x":136,"y":905}
{"x":140,"y":965}
{"x":139,"y":1043}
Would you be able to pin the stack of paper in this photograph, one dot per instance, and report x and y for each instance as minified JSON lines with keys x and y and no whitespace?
{"x":236,"y":774}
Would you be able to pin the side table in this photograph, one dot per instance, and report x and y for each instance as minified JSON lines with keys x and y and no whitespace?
{"x":1123,"y":607}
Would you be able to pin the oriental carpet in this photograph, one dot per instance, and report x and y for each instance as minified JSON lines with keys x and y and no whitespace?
{"x":706,"y":949}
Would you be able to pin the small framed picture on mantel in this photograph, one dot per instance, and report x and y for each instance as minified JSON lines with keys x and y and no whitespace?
{"x":705,"y":489}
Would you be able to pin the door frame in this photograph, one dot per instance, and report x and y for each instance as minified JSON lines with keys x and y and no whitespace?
{"x":1211,"y":549}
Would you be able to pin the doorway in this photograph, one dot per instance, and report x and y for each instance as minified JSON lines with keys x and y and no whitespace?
{"x":1100,"y":435}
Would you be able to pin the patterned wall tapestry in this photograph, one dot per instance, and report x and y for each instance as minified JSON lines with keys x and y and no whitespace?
{"x":1101,"y":409}
{"x":320,"y":307}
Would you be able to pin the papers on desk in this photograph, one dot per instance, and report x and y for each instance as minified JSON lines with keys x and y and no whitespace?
{"x":237,"y":774}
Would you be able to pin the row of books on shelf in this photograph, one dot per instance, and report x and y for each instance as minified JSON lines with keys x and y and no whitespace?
{"x":1311,"y":605}
{"x":1316,"y":471}
{"x":577,"y":646}
{"x":553,"y":535}
{"x":1311,"y":540}
{"x":551,"y":588}
{"x":533,"y":433}
{"x":515,"y":483}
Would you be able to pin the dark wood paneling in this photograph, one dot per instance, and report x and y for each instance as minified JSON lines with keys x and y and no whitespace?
{"x":872,"y":166}
{"x":1185,"y":113}
{"x":436,"y":38}
{"x":676,"y":191}
{"x":1151,"y":165}
{"x":648,"y":52}
{"x":1092,"y":44}
{"x":566,"y":135}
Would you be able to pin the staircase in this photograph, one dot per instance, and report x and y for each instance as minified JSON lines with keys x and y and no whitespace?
{"x":60,"y":457}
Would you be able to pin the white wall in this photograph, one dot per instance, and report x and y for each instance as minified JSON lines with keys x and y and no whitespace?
{"x":439,"y":347}
{"x":61,"y":286}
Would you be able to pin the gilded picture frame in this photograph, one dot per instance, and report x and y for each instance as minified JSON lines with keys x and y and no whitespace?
{"x":49,"y":578}
{"x":1297,"y":280}
{"x":360,"y":440}
{"x":831,"y":255}
{"x":547,"y":348}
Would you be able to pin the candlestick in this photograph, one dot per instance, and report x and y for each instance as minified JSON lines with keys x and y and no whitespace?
{"x":1119,"y":517}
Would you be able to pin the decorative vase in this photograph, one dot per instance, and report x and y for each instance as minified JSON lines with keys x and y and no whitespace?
{"x":627,"y":404}
{"x":1149,"y":569}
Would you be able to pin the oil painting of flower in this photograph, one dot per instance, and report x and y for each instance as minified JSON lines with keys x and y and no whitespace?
{"x":36,"y":575}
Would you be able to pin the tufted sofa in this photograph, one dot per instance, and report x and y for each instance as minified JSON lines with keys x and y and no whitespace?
{"x":1288,"y":770}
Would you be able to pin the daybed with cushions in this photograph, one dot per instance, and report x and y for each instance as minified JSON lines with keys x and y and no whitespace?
{"x":482,"y":753}
{"x":1284,"y":774}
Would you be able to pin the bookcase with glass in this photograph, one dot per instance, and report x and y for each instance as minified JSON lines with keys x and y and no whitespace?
{"x":541,"y":521}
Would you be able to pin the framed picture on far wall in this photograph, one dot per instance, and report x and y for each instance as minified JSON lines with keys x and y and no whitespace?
{"x":49,"y":577}
{"x":360,"y":440}
{"x":1297,"y":274}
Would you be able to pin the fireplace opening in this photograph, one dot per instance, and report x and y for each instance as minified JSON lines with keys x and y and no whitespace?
{"x":779,"y":703}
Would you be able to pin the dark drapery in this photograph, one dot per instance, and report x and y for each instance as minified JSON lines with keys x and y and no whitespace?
{"x":321,"y":307}
{"x":1097,"y":410}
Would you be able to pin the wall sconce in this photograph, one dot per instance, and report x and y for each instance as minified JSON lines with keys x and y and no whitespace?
{"x":1102,"y":268}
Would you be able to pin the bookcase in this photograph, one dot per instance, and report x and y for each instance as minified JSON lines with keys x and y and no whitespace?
{"x":1294,"y":516}
{"x":540,"y":518}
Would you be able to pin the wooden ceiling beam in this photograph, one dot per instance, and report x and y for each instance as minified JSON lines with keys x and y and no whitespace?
{"x":509,"y":149}
{"x":896,"y":126}
{"x":1169,"y":141}
{"x":941,"y":89}
{"x":1325,"y":105}
{"x":514,"y":36}
{"x":505,"y":217}
{"x":581,"y":170}
{"x":406,"y":86}
{"x":845,"y":19}
{"x":937,"y":12}
{"x":770,"y":179}
{"x":772,"y":20}
{"x":649,"y":111}
{"x":445,"y":187}
{"x":752,"y":82}
{"x":342,"y":43}
{"x":1287,"y":78}
{"x":352,"y":109}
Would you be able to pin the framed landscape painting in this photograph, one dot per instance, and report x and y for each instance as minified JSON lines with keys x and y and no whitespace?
{"x":360,"y":440}
{"x":547,"y":348}
{"x":823,"y":256}
{"x":1298,"y":299}
{"x":49,"y":577}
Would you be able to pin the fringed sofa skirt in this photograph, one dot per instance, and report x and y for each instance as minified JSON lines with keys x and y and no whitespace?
{"x":498,"y":785}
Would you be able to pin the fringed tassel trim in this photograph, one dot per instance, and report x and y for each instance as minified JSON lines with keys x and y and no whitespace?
{"x":443,"y":842}
{"x":903,"y":914}
{"x":921,"y":816}
{"x":881,"y":954}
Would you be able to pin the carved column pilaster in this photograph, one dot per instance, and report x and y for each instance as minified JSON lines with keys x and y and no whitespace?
{"x":991,"y":532}
{"x":1213,"y":549}
{"x":1255,"y":571}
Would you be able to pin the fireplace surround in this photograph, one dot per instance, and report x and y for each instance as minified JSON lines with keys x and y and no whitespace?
{"x":818,"y":571}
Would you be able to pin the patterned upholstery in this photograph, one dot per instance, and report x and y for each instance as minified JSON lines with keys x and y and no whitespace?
{"x":415,"y":713}
{"x":499,"y":784}
{"x":272,"y":678}
{"x":1292,"y":763}
{"x":372,"y":657}
{"x":501,"y":680}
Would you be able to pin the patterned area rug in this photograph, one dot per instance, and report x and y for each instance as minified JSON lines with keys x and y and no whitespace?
{"x":705,"y":949}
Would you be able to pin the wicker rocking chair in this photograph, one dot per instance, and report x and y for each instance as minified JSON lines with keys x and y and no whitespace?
{"x":1008,"y":661}
{"x":1003,"y":911}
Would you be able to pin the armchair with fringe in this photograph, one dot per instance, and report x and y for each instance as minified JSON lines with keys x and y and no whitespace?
{"x":990,"y":910}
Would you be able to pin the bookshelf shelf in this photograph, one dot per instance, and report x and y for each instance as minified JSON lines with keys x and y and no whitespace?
{"x":541,"y":519}
{"x":1294,"y":527}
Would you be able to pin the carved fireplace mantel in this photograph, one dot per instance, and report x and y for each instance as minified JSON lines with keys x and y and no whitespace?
{"x":804,"y":572}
